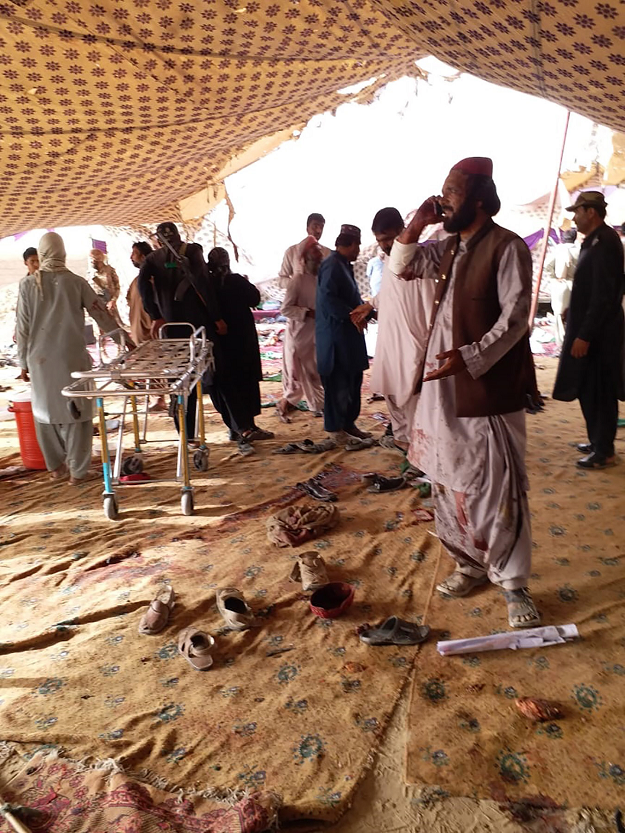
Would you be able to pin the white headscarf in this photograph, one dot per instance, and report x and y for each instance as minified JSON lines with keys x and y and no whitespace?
{"x":51,"y":251}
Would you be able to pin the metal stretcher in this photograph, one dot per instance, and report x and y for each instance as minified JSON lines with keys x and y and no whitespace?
{"x":160,"y":367}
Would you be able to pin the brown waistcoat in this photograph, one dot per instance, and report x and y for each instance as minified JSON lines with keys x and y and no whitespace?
{"x":476,"y":308}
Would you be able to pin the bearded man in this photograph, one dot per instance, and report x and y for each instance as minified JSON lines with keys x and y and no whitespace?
{"x":469,"y":432}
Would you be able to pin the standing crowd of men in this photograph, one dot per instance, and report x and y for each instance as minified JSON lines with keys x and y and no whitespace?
{"x":453,"y":359}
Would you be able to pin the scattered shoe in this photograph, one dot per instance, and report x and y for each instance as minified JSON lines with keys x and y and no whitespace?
{"x":459,"y":584}
{"x":310,"y":569}
{"x":289,"y":448}
{"x":386,"y":484}
{"x":233,"y":608}
{"x":313,"y":488}
{"x":195,"y":646}
{"x":155,"y":619}
{"x":585,"y":448}
{"x":522,"y":611}
{"x":596,"y":461}
{"x":395,"y":631}
{"x":317,"y":414}
{"x":259,"y":434}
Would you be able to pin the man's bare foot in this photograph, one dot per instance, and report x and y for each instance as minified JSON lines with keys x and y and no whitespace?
{"x":59,"y":473}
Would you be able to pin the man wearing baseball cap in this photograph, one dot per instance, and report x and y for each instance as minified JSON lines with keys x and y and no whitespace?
{"x":591,"y":365}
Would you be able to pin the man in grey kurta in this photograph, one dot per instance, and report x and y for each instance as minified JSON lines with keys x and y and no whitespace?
{"x":51,"y":345}
{"x":469,"y":431}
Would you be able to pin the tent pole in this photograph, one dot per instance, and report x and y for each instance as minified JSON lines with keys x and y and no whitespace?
{"x":545,"y":243}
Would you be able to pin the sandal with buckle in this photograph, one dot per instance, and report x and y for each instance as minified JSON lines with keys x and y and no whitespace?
{"x":395,"y":631}
{"x":155,"y":619}
{"x":195,"y":646}
{"x":314,"y":488}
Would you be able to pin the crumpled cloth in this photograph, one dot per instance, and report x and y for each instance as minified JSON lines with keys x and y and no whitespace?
{"x":297,"y":524}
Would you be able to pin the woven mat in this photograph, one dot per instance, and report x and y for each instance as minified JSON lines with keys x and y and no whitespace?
{"x":54,"y":795}
{"x":75,"y":674}
{"x":466,"y":735}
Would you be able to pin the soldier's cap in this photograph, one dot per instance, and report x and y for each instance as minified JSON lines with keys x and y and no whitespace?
{"x":589,"y":199}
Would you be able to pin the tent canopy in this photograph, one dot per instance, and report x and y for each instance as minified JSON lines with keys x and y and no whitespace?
{"x":116,"y":111}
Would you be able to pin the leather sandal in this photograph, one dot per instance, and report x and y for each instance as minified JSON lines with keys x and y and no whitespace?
{"x":310,"y":569}
{"x":233,"y":608}
{"x":155,"y":619}
{"x":522,"y":612}
{"x":395,"y":631}
{"x":313,"y":488}
{"x":460,"y":584}
{"x":195,"y":646}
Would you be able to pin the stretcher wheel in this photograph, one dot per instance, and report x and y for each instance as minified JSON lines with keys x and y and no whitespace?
{"x":200,"y":459}
{"x":111,"y":509}
{"x":132,"y":465}
{"x":186,"y":503}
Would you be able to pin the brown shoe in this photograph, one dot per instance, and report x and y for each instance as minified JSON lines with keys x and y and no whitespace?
{"x":196,"y":646}
{"x":155,"y":619}
{"x":233,"y":608}
{"x":310,"y":569}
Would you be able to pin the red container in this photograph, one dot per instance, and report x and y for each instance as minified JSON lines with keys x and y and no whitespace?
{"x":29,"y":447}
{"x":332,"y":599}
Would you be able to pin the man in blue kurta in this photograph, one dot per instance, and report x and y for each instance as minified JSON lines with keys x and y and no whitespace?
{"x":341,"y":351}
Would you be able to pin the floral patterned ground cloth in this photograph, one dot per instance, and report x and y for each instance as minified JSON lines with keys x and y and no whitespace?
{"x":295,"y":706}
{"x":466,"y":734}
{"x":53,"y":795}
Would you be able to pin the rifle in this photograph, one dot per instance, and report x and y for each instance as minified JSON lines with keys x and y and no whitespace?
{"x":182,"y":262}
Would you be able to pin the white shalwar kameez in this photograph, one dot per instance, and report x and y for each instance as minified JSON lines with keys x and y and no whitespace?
{"x":404,"y":314}
{"x":476,"y":464}
{"x":51,"y":344}
{"x":300,"y":379}
{"x":290,"y":263}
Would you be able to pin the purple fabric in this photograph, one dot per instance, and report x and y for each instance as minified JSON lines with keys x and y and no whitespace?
{"x":532,"y":239}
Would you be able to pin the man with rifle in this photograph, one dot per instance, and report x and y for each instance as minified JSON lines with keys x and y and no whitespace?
{"x":174,"y":287}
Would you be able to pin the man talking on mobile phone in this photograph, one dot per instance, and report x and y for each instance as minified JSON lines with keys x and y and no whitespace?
{"x":469,"y":431}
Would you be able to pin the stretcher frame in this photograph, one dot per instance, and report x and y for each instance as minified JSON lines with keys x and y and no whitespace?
{"x":162,"y":366}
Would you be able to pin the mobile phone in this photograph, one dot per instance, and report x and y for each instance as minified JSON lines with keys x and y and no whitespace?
{"x":439,"y":210}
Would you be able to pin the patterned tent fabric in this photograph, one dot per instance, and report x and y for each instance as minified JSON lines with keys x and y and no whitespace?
{"x":112,"y":111}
